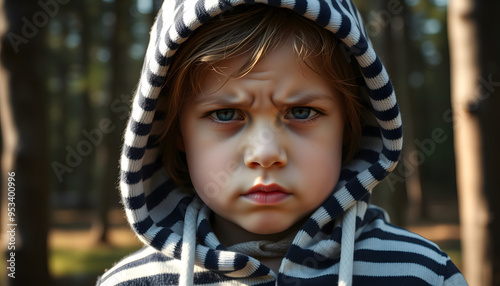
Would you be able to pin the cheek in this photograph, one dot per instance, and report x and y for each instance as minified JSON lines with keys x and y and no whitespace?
{"x":322,"y":165}
{"x":208,"y":168}
{"x":320,"y":162}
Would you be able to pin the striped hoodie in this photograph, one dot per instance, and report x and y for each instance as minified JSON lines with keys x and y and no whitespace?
{"x":346,"y":241}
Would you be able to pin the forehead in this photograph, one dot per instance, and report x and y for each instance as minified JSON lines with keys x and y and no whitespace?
{"x":280,"y":74}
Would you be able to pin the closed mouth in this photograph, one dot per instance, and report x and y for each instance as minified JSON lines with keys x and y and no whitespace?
{"x":266,"y":194}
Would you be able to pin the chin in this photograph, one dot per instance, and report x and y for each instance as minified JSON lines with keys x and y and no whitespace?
{"x":267,"y":231}
{"x":269,"y":228}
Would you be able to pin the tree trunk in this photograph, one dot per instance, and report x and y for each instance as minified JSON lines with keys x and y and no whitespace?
{"x":60,"y":99}
{"x":24,"y":161}
{"x":415,"y":207}
{"x":85,"y":112}
{"x":474,"y":45}
{"x":400,"y":194}
{"x":120,"y":86}
{"x":389,"y":40}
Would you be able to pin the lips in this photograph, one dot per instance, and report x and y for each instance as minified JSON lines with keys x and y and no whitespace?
{"x":267,"y":194}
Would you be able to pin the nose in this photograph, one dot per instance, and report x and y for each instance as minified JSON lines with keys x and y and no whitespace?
{"x":265,"y":149}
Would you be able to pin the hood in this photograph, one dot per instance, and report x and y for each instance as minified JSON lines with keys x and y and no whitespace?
{"x":176,"y":223}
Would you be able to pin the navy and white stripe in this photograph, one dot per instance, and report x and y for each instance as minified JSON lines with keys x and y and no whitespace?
{"x":345,"y":241}
{"x":383,"y":255}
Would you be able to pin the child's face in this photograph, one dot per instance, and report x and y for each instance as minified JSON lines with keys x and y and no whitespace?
{"x":264,"y":150}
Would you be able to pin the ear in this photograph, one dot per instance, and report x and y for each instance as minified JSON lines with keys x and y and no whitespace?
{"x":179,"y":143}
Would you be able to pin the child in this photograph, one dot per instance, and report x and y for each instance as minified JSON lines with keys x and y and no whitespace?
{"x":250,"y":154}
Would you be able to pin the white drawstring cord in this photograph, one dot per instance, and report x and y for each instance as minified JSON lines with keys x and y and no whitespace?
{"x":188,"y":248}
{"x":347,"y":246}
{"x":189,"y":245}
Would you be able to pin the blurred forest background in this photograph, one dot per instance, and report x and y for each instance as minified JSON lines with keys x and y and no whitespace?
{"x":76,"y":65}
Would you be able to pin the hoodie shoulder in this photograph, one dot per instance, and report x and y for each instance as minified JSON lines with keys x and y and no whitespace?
{"x":385,"y":254}
{"x":146,"y":266}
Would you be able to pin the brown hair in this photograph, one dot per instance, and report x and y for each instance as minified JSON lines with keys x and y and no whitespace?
{"x":255,"y":30}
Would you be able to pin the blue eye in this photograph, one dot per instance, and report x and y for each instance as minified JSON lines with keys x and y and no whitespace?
{"x":300,"y":112}
{"x":225,"y":114}
{"x":303,"y":113}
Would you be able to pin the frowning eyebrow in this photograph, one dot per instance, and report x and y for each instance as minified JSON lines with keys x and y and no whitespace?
{"x":298,"y":99}
{"x":307,"y":98}
{"x":223,"y":99}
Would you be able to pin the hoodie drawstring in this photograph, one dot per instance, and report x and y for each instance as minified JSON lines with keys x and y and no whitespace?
{"x":347,"y":246}
{"x":189,"y":245}
{"x":188,"y":249}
